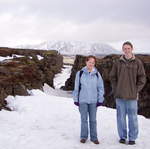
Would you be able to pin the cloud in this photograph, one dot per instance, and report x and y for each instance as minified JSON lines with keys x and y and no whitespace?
{"x":29,"y":21}
{"x":81,"y":11}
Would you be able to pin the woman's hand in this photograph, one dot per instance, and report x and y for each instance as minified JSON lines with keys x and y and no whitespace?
{"x":76,"y":103}
{"x":99,"y":104}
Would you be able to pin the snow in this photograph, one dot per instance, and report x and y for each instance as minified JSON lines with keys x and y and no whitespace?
{"x":49,"y":120}
{"x":15,"y":56}
{"x":3,"y":58}
{"x":44,"y":121}
{"x":56,"y":92}
{"x":73,"y":47}
{"x":40,"y":57}
{"x":60,"y":78}
{"x":9,"y":57}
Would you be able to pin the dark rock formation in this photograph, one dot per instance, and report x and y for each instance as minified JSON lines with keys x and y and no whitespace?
{"x":26,"y":72}
{"x":104,"y":66}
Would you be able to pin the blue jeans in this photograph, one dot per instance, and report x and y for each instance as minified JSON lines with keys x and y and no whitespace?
{"x":127,"y":108}
{"x":85,"y":111}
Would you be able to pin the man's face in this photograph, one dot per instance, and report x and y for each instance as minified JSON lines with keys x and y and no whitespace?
{"x":127,"y":49}
{"x":90,"y":63}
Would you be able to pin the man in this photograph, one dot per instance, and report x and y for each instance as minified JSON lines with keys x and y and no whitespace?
{"x":128,"y":78}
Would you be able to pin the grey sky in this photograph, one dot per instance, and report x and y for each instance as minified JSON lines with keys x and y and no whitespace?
{"x":109,"y":21}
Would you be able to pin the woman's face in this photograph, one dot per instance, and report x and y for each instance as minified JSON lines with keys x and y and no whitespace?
{"x":90,"y":63}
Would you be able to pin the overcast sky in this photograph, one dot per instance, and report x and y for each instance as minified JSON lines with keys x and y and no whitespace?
{"x":107,"y":21}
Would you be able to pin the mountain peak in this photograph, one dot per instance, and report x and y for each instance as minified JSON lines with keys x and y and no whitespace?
{"x":74,"y":47}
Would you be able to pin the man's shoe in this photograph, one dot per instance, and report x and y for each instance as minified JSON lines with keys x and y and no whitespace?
{"x":123,"y":141}
{"x":131,"y":142}
{"x":96,"y":142}
{"x":83,"y":140}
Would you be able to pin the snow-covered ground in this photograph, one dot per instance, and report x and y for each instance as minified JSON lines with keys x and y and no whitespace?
{"x":60,"y":78}
{"x":10,"y":57}
{"x":59,"y":81}
{"x":42,"y":121}
{"x":14,"y":56}
{"x":50,"y":120}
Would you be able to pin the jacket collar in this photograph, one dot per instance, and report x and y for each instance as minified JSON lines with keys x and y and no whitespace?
{"x":94,"y":71}
{"x":122,"y":58}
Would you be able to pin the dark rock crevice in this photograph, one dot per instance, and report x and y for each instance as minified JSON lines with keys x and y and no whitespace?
{"x":20,"y":74}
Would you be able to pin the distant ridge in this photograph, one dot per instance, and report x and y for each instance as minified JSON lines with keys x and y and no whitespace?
{"x":74,"y":47}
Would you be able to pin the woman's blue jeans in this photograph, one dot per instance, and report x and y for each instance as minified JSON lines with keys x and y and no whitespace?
{"x":88,"y":110}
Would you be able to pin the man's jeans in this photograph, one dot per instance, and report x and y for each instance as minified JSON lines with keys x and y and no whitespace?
{"x":85,"y":111}
{"x":127,"y":108}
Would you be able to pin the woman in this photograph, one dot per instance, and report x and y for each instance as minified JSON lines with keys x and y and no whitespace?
{"x":88,"y":95}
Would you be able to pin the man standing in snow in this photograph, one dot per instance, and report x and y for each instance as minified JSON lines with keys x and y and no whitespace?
{"x":128,"y":78}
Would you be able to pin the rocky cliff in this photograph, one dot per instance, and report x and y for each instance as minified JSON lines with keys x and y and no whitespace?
{"x":104,"y":66}
{"x":25,"y":69}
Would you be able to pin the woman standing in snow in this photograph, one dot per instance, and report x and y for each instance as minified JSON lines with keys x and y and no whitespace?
{"x":88,"y":95}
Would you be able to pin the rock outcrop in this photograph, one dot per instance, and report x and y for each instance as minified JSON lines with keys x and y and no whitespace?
{"x":104,"y":66}
{"x":26,"y":69}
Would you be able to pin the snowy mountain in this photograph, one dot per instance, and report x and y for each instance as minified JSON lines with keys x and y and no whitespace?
{"x":74,"y":47}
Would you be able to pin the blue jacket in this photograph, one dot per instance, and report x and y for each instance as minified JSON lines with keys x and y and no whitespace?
{"x":92,"y":87}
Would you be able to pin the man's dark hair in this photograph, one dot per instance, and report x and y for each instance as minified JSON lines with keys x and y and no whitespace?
{"x":128,"y":43}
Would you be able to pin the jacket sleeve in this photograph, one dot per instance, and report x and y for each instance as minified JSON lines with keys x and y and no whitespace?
{"x":113,"y":77}
{"x":76,"y":88}
{"x":100,"y":88}
{"x":141,"y":77}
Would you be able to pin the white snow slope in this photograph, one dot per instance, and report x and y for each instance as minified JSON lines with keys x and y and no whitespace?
{"x":74,"y":47}
{"x":42,"y":121}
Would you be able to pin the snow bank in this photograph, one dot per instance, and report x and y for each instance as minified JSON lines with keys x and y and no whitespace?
{"x":42,"y":121}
